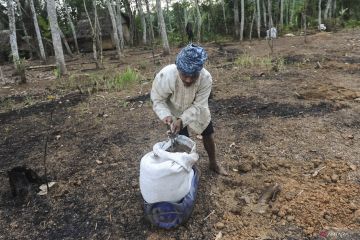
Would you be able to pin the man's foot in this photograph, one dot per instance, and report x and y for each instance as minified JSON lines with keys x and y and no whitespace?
{"x":218,"y":169}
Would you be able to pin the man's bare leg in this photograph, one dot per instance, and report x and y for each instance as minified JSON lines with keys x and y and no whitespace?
{"x":209,"y":145}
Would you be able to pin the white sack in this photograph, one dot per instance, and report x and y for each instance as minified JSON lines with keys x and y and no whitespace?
{"x":166,"y":176}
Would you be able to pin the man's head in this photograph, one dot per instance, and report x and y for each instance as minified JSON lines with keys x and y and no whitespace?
{"x":189,"y":63}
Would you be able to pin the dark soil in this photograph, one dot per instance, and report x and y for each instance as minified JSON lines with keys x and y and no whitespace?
{"x":177,"y":147}
{"x":297,"y":128}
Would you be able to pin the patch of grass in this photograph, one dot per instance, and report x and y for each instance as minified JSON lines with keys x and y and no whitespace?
{"x":8,"y":104}
{"x":28,"y":101}
{"x":278,"y":64}
{"x":124,"y":79}
{"x":247,"y":60}
{"x":100,"y":81}
{"x":20,"y":69}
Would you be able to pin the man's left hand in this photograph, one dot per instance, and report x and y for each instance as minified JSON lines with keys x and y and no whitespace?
{"x":177,"y":126}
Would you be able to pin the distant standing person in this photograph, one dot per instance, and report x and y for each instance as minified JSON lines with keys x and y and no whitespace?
{"x":180,"y":94}
{"x":189,"y":32}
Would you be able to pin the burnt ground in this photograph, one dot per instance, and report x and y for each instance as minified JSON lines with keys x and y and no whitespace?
{"x":293,"y":122}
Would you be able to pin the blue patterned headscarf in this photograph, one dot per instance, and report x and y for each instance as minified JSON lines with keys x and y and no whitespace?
{"x":191,"y":59}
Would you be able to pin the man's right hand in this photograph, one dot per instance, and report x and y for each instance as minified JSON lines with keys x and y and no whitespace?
{"x":168,"y":120}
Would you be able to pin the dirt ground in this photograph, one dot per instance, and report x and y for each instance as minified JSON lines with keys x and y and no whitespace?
{"x":293,"y":124}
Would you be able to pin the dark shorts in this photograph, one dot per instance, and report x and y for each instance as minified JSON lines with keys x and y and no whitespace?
{"x":207,"y":132}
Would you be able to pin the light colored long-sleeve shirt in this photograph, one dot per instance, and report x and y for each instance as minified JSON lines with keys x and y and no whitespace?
{"x":171,"y":97}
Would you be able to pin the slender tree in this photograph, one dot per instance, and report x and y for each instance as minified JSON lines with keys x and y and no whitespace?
{"x":98,"y":34}
{"x":37,"y":30}
{"x":281,"y":14}
{"x":264,"y":13}
{"x":292,"y":11}
{"x":114,"y":27}
{"x":72,"y":27}
{"x":161,"y":22}
{"x":12,"y":27}
{"x":168,"y":15}
{"x":68,"y":49}
{"x":132,"y":21}
{"x":242,"y":22}
{"x":258,"y":22}
{"x":56,"y":39}
{"x":271,"y":23}
{"x":224,"y":15}
{"x":26,"y":35}
{"x":142,"y":18}
{"x":319,"y":15}
{"x":148,"y":14}
{"x":93,"y":36}
{"x":252,"y":23}
{"x":236,"y":19}
{"x":327,"y":12}
{"x":119,"y":24}
{"x":199,"y":20}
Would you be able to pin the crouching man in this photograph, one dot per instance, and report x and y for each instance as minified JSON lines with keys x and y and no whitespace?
{"x":180,"y":94}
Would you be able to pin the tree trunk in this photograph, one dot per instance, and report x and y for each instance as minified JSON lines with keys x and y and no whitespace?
{"x":65,"y":43}
{"x":56,"y":39}
{"x":242,"y":23}
{"x":334,"y":9}
{"x":142,"y":18}
{"x":304,"y":20}
{"x":236,"y":19}
{"x":132,"y":21}
{"x":151,"y":28}
{"x":161,"y":22}
{"x":26,"y":35}
{"x":252,"y":24}
{"x":327,"y":12}
{"x":12,"y":27}
{"x":281,"y":14}
{"x":37,"y":30}
{"x":114,"y":28}
{"x":264,"y":15}
{"x":319,"y":16}
{"x":68,"y":16}
{"x":271,"y":23}
{"x":98,"y":34}
{"x":119,"y":24}
{"x":199,"y":22}
{"x":168,"y":15}
{"x":258,"y":22}
{"x":292,"y":12}
{"x":224,"y":15}
{"x":93,"y":34}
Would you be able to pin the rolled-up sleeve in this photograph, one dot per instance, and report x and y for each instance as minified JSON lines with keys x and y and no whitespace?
{"x":199,"y":108}
{"x":160,"y":94}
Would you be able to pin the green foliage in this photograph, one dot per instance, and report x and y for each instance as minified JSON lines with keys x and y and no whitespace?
{"x":101,"y":81}
{"x":352,"y":23}
{"x":57,"y":72}
{"x":20,"y":69}
{"x":124,"y":79}
{"x":247,"y":60}
{"x":44,"y":26}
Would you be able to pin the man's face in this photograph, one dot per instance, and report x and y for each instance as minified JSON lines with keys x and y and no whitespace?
{"x":188,"y":80}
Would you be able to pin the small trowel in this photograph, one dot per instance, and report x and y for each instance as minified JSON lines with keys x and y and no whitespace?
{"x":172,"y":135}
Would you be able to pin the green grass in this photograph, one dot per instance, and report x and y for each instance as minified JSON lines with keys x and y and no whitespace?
{"x":247,"y":60}
{"x":101,"y":81}
{"x":123,"y":79}
{"x":265,"y":62}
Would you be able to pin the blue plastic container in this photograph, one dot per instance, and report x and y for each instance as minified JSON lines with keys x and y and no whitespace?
{"x":170,"y":215}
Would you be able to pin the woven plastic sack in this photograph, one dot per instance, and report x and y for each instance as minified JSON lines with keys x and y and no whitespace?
{"x":166,"y":176}
{"x":170,"y":215}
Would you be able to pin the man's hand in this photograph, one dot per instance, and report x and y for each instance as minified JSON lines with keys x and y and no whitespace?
{"x":168,"y":120}
{"x":177,"y":126}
